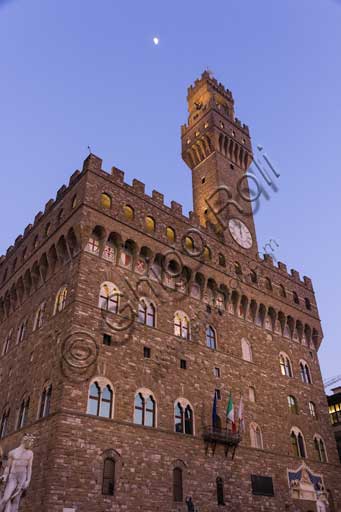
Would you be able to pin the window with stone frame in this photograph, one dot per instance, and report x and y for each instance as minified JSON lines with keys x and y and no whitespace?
{"x":181,"y":325}
{"x":144,"y":410}
{"x":4,"y":422}
{"x":23,"y":412}
{"x":305,"y":373}
{"x":100,"y":401}
{"x":256,"y":436}
{"x":285,"y":365}
{"x":45,"y":401}
{"x":320,"y":448}
{"x":108,"y":481}
{"x":109,"y":297}
{"x":146,"y":312}
{"x":211,"y":337}
{"x":297,"y":443}
{"x":177,"y":484}
{"x":183,"y":418}
{"x":60,"y":302}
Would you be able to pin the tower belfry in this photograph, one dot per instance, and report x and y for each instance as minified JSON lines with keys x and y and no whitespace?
{"x":217,"y":148}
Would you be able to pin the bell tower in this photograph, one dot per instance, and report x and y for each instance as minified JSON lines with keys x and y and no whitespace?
{"x":217,"y":148}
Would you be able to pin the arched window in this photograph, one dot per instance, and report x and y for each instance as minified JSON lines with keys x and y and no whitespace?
{"x":285,"y":365}
{"x":128,"y":212}
{"x":207,"y":253}
{"x":60,"y":300}
{"x":7,"y":342}
{"x":292,"y":404}
{"x":93,"y":244}
{"x":238,"y":268}
{"x":189,"y":244}
{"x":45,"y":401}
{"x":211,"y":338}
{"x":150,"y":224}
{"x":109,"y":297}
{"x":305,"y":372}
{"x":144,"y":410}
{"x":100,"y":401}
{"x":252,"y":394}
{"x":246,"y":350}
{"x":222,"y":260}
{"x":220,"y":491}
{"x":181,"y":325}
{"x":108,"y":482}
{"x":146,"y":312}
{"x":295,"y":297}
{"x":256,"y":436}
{"x":282,"y":291}
{"x":297,"y":443}
{"x":39,"y":317}
{"x":183,"y":417}
{"x":320,"y":448}
{"x":74,"y":202}
{"x":170,"y":233}
{"x":23,"y":412}
{"x":307,"y":303}
{"x":105,"y":200}
{"x":4,"y":423}
{"x":177,"y":485}
{"x":22,"y":331}
{"x":268,"y":284}
{"x":312,"y":409}
{"x":253,"y":277}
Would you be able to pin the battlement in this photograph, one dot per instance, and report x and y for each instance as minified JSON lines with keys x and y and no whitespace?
{"x":94,"y":164}
{"x":207,"y":78}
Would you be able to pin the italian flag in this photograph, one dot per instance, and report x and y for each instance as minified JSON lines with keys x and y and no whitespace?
{"x":230,"y":413}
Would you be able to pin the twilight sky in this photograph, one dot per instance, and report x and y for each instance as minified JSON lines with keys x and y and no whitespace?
{"x":79,"y":72}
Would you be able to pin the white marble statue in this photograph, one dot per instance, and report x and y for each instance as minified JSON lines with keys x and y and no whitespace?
{"x":17,"y":475}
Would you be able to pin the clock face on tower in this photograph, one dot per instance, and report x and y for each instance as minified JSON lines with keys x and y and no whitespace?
{"x":240,"y":233}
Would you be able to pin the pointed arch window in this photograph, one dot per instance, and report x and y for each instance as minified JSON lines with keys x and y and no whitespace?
{"x":7,"y":342}
{"x":207,"y":253}
{"x":60,"y":302}
{"x":23,"y":412}
{"x":282,"y":291}
{"x":312,"y":409}
{"x":305,"y":372}
{"x":146,"y":312}
{"x":144,"y":410}
{"x":177,"y":485}
{"x":22,"y":331}
{"x":211,"y":338}
{"x":256,"y":436}
{"x":220,"y":491}
{"x":183,"y":418}
{"x":268,"y":284}
{"x":295,"y":297}
{"x":109,"y":297}
{"x":285,"y":365}
{"x":297,"y":443}
{"x":108,"y":482}
{"x":45,"y":401}
{"x":222,"y":260}
{"x":189,"y":244}
{"x":246,"y":350}
{"x":100,"y":401}
{"x":4,"y":423}
{"x":39,"y":317}
{"x":253,"y":277}
{"x":181,"y":325}
{"x":238,"y":268}
{"x":320,"y":448}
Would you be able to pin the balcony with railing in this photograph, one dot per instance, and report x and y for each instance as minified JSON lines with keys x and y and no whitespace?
{"x":224,"y":436}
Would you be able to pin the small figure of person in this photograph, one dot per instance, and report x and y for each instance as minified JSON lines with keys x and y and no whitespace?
{"x":17,"y":474}
{"x":190,"y":504}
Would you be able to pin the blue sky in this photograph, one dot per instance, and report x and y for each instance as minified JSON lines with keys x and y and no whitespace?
{"x":78,"y":72}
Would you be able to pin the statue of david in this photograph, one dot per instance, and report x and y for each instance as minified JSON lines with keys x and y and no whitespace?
{"x":17,"y":475}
